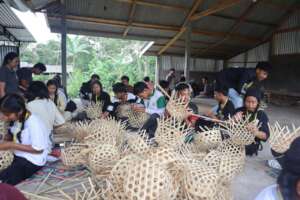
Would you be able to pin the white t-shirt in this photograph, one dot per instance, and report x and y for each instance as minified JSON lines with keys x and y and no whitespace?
{"x":269,"y":193}
{"x":36,"y":135}
{"x":47,"y":111}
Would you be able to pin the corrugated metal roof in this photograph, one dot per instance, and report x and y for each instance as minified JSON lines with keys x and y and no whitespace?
{"x":12,"y":23}
{"x":153,"y":21}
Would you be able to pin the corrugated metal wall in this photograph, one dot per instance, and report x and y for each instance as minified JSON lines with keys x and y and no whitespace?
{"x":6,"y":49}
{"x":288,"y":42}
{"x":197,"y":65}
{"x":250,"y":58}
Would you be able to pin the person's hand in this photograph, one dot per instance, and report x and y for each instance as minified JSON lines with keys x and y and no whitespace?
{"x":209,"y":113}
{"x":137,"y":108}
{"x":238,"y":116}
{"x":6,"y":146}
{"x":252,"y":128}
{"x":104,"y":115}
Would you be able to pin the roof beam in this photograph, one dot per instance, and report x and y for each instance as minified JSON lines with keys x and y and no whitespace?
{"x":183,"y":28}
{"x":130,"y":18}
{"x":220,"y":5}
{"x":140,"y":25}
{"x":246,"y":20}
{"x":7,"y":34}
{"x":157,"y":5}
{"x":234,"y":27}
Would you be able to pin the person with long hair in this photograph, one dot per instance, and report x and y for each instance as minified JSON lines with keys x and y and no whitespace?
{"x":251,"y":111}
{"x":288,"y":182}
{"x":40,"y":104}
{"x":27,"y":137}
{"x":57,"y":97}
{"x":8,"y":77}
{"x":98,"y":95}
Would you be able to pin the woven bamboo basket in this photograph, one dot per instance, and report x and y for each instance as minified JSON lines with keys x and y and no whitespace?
{"x":94,"y":110}
{"x":6,"y":158}
{"x":3,"y":130}
{"x":177,"y":107}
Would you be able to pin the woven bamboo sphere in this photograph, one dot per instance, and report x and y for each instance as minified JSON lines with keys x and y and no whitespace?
{"x":209,"y":139}
{"x":103,"y":157}
{"x":71,"y":156}
{"x":177,"y":107}
{"x":123,"y":110}
{"x":6,"y":158}
{"x":94,"y":110}
{"x":171,"y":132}
{"x":281,"y":137}
{"x":137,"y":119}
{"x":138,"y":143}
{"x":148,"y":180}
{"x":201,"y":181}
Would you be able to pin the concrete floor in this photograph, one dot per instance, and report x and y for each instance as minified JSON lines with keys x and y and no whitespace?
{"x":256,"y":175}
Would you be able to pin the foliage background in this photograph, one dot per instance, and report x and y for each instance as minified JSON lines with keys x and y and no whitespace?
{"x":109,"y":58}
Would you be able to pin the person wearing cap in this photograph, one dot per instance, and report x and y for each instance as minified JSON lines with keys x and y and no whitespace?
{"x":239,"y":80}
{"x":251,"y":110}
{"x":222,"y":111}
{"x":288,"y":182}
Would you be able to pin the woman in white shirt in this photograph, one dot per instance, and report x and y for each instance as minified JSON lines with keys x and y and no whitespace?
{"x":56,"y":96}
{"x":27,"y":138}
{"x":41,"y":105}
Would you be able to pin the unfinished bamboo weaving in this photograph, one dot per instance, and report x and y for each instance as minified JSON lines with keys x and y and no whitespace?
{"x":71,"y":156}
{"x":123,"y":110}
{"x":148,"y":180}
{"x":137,"y":119}
{"x":103,"y":158}
{"x":171,"y":132}
{"x":200,"y":181}
{"x":209,"y":139}
{"x":238,"y":131}
{"x":138,"y":143}
{"x":177,"y":107}
{"x":6,"y":158}
{"x":3,"y":130}
{"x":94,"y":110}
{"x":281,"y":137}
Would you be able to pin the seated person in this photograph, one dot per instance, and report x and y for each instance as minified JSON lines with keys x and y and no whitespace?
{"x":251,"y":107}
{"x":121,"y":97}
{"x":85,"y":89}
{"x":57,"y":97}
{"x":222,"y":111}
{"x":40,"y":104}
{"x":27,"y":137}
{"x":125,"y":81}
{"x":288,"y":182}
{"x":154,"y":104}
{"x":70,"y":111}
{"x":98,"y":95}
{"x":183,"y":91}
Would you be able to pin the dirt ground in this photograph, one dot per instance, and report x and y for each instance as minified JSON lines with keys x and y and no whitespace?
{"x":256,"y":175}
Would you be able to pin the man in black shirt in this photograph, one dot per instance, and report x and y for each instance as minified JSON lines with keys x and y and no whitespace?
{"x":239,"y":80}
{"x":222,"y":111}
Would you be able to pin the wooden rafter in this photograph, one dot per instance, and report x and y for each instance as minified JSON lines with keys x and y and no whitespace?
{"x":123,"y":24}
{"x":183,"y":28}
{"x":220,"y":5}
{"x":246,"y":20}
{"x":267,"y":36}
{"x":236,"y":25}
{"x":130,"y":18}
{"x":157,"y":5}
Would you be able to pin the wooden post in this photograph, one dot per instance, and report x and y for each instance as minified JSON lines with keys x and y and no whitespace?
{"x":64,"y":50}
{"x":187,"y":56}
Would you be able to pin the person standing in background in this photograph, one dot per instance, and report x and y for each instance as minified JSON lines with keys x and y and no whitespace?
{"x":171,"y":78}
{"x":125,"y":81}
{"x":8,"y":76}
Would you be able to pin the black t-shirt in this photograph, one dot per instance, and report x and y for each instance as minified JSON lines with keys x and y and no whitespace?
{"x":262,"y":118}
{"x":85,"y":90}
{"x":25,"y":73}
{"x":226,"y":111}
{"x":9,"y":77}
